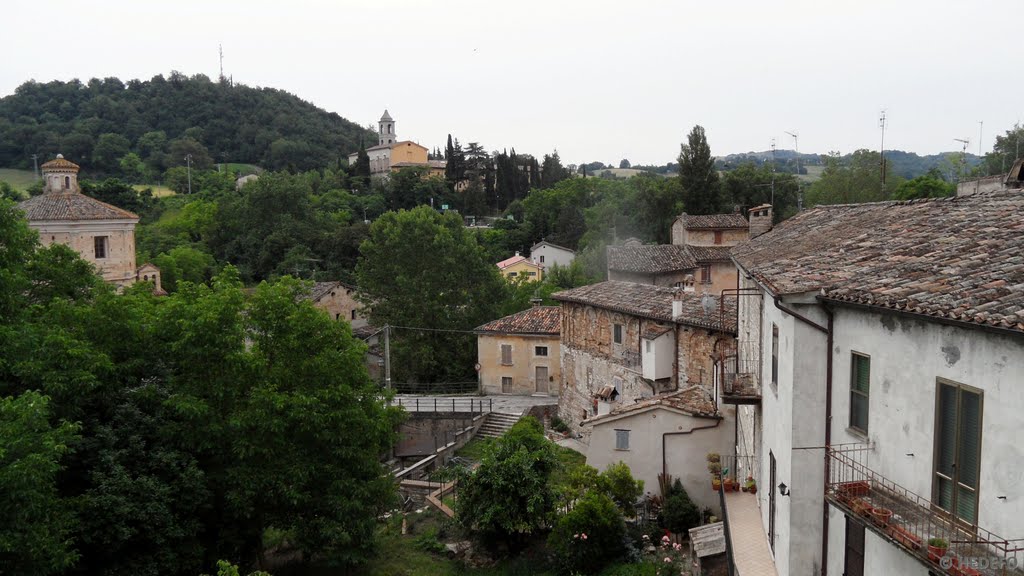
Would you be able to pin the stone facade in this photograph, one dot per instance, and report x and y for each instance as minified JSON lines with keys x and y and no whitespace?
{"x":339,"y":301}
{"x":519,"y":353}
{"x":593,"y":362}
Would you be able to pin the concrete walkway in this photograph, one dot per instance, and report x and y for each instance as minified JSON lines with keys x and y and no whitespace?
{"x":748,"y":539}
{"x":573,"y":444}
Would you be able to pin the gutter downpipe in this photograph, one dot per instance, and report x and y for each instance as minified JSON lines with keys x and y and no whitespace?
{"x":665,"y":435}
{"x":828,"y":413}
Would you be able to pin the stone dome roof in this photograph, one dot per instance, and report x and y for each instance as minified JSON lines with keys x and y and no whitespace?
{"x":59,"y":164}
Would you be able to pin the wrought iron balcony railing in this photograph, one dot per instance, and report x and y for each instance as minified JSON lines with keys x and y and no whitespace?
{"x":914,"y":523}
{"x":739,"y":378}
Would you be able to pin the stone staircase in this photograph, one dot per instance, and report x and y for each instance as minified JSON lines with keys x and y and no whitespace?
{"x":497,"y":423}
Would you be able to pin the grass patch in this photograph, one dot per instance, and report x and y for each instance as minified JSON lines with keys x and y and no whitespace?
{"x":158,"y":191}
{"x":568,"y":460}
{"x":474,"y":449}
{"x":18,"y":179}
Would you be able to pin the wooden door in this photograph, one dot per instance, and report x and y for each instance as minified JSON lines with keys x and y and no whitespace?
{"x":541,"y":374}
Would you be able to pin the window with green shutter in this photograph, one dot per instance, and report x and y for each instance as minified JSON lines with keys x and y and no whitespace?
{"x":958,"y":410}
{"x":860,"y":378}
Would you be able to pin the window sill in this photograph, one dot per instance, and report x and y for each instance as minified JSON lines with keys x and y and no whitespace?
{"x":621,"y":449}
{"x":857,"y":432}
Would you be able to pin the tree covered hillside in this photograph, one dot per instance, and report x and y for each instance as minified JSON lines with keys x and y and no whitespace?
{"x":102,"y":122}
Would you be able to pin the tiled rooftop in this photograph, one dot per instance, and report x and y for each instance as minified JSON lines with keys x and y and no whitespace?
{"x":692,"y":400}
{"x":958,"y":258}
{"x":535,"y":320}
{"x":321,"y":289}
{"x":653,"y":302}
{"x":71,"y":206}
{"x":710,"y":253}
{"x":653,"y":259}
{"x":712,"y":221}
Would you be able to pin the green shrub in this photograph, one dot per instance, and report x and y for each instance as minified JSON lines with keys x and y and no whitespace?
{"x":590,"y":536}
{"x":428,"y":542}
{"x":559,"y":425}
{"x":617,"y":481}
{"x":641,"y":569}
{"x":679,"y":513}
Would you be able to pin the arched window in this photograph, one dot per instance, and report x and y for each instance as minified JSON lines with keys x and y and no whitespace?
{"x":145,"y":278}
{"x":67,"y":181}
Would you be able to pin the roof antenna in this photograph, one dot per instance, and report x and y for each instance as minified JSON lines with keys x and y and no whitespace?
{"x":220,"y":49}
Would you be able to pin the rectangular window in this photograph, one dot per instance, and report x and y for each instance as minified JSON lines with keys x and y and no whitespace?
{"x":532,"y":273}
{"x":540,"y":351}
{"x":718,"y":236}
{"x":100,"y":245}
{"x":506,"y":354}
{"x":622,"y":439}
{"x":542,"y":259}
{"x":506,"y":384}
{"x":617,"y":333}
{"x":957,"y":450}
{"x":775,"y":355}
{"x":705,"y":274}
{"x":860,"y":373}
{"x":512,"y":274}
{"x":647,"y":343}
{"x":353,"y":314}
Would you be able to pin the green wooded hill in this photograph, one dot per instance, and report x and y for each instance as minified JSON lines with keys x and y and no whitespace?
{"x":98,"y":123}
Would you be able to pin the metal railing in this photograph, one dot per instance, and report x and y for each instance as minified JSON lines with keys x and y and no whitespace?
{"x":428,"y":388}
{"x":911,"y":521}
{"x":739,"y":377}
{"x":461,"y":405}
{"x":739,"y":467}
{"x":729,"y":555}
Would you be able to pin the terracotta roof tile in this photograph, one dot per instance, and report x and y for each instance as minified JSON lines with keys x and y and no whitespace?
{"x":712,"y":221}
{"x":958,"y":258}
{"x":651,"y":259}
{"x":653,"y":302}
{"x":693,"y":400}
{"x":535,"y":320}
{"x":710,"y":253}
{"x":71,"y":206}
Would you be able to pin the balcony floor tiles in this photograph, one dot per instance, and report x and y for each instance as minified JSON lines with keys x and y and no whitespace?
{"x":747,"y":537}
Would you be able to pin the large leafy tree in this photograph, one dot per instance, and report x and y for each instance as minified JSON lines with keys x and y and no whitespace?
{"x":697,"y":175}
{"x":855,"y":179}
{"x":423,"y":270}
{"x":1008,"y":147}
{"x":750,"y":185}
{"x":510,"y":496}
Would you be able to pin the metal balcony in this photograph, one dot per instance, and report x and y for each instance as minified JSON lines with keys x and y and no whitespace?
{"x":739,"y":378}
{"x":909,"y":521}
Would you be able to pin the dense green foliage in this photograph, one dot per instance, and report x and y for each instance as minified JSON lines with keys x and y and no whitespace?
{"x":589,"y":536}
{"x":679,"y":513}
{"x":698,"y":176}
{"x":1008,"y":148}
{"x":103,"y":122}
{"x":749,"y":185}
{"x":854,"y":180}
{"x":510,"y":496}
{"x":200,"y":421}
{"x":931,"y":185}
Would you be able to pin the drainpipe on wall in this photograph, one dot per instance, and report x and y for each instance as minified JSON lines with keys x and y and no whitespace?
{"x":828,"y":414}
{"x":664,"y":435}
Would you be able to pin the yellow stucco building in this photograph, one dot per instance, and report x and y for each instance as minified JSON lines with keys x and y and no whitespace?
{"x":519,"y":354}
{"x":519,"y":267}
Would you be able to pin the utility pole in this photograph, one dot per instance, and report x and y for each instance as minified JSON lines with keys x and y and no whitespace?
{"x":188,"y":161}
{"x":35,"y":165}
{"x":773,"y":172}
{"x":796,"y":148}
{"x":387,"y":356}
{"x":881,"y":153}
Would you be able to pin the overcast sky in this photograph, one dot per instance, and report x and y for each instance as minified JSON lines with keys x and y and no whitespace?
{"x":596,"y":80}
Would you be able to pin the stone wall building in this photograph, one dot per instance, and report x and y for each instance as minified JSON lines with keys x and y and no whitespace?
{"x":391,"y":154}
{"x":102,"y":234}
{"x":339,"y":301}
{"x":623,"y":342}
{"x":519,"y":354}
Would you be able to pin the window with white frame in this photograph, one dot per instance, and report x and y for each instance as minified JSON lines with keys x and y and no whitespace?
{"x":860,"y":375}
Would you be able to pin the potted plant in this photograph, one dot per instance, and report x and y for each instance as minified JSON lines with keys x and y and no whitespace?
{"x":730,"y":484}
{"x":861,"y":507}
{"x":715,"y":468}
{"x":881,"y":515}
{"x":937,"y":548}
{"x":750,"y":485}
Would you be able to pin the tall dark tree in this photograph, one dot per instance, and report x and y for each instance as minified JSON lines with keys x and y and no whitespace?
{"x":552,"y":172}
{"x":455,"y":169}
{"x":698,"y":177}
{"x":362,"y":168}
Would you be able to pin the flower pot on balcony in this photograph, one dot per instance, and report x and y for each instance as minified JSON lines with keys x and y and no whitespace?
{"x":881,"y":516}
{"x":905,"y":537}
{"x":860,"y":507}
{"x":730,"y":484}
{"x":716,"y":483}
{"x":957,"y":569}
{"x":937,"y":549}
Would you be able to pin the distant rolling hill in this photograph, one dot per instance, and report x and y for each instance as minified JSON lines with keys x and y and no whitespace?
{"x":97,"y":123}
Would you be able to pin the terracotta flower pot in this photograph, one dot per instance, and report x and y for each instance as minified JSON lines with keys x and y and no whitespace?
{"x":716,"y":484}
{"x":881,"y":516}
{"x":860,"y":507}
{"x":905,"y":537}
{"x":730,"y":484}
{"x":935,"y":553}
{"x":753,"y":489}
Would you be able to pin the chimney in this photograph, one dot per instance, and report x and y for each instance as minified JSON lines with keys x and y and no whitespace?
{"x":677,"y":303}
{"x":760,"y":220}
{"x":688,"y":283}
{"x":535,"y":302}
{"x":517,"y":252}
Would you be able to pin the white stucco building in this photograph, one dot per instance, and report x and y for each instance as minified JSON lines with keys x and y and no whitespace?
{"x":547,"y":254}
{"x":887,"y":341}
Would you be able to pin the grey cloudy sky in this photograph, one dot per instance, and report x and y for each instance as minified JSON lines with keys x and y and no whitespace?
{"x":598,"y":80}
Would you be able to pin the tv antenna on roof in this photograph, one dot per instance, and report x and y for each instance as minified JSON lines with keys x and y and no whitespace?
{"x":220,"y":50}
{"x":963,"y":155}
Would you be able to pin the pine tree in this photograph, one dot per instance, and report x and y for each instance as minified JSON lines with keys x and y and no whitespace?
{"x":697,"y":174}
{"x":361,"y":171}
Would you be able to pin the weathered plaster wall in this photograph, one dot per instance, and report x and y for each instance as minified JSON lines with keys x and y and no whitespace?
{"x":118,"y":266}
{"x":685,"y":453}
{"x":340,"y":303}
{"x":525,"y":361}
{"x":907,"y":357}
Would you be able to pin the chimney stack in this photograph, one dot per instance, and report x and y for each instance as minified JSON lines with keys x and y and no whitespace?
{"x":760,"y":220}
